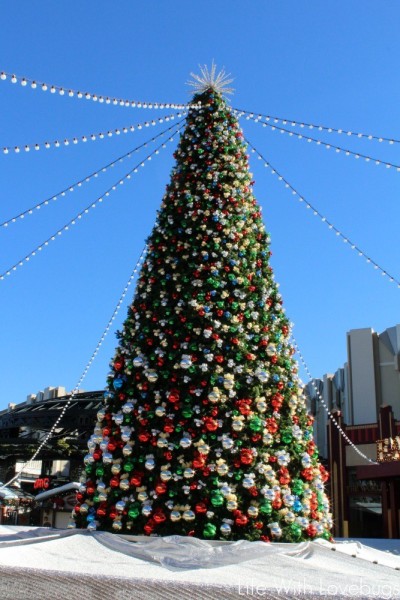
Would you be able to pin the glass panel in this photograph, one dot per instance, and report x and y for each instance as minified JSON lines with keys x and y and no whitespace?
{"x":365,"y":516}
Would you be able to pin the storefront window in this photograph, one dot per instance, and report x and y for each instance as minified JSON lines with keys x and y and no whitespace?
{"x":365,"y":516}
{"x":365,"y":507}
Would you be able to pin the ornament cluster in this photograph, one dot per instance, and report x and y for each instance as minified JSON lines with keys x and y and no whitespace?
{"x":204,"y":429}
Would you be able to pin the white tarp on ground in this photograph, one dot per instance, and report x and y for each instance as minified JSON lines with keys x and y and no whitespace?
{"x":47,"y":564}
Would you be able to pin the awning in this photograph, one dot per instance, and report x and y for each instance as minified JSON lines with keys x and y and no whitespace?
{"x":383,"y":470}
{"x":73,"y":485}
{"x":7,"y":493}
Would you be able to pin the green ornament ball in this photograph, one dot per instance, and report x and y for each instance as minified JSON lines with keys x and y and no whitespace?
{"x":256,"y":424}
{"x":295,"y":531}
{"x":287,"y":437}
{"x":265,"y":507}
{"x":217,"y":498}
{"x":133,"y":512}
{"x":209,"y":530}
{"x":297,"y":486}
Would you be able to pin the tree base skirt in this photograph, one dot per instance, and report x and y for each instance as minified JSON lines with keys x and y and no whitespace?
{"x":47,"y":564}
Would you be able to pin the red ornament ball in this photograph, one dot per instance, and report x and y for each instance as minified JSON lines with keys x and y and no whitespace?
{"x":119,"y":363}
{"x":241,"y":520}
{"x":161,"y":488}
{"x":246,"y":456}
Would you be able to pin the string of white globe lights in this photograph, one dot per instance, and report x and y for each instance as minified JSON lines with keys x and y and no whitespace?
{"x":75,"y":391}
{"x":324,"y":220}
{"x":76,"y":184}
{"x":89,"y":96}
{"x":331,"y":226}
{"x":329,"y":413}
{"x":338,"y":149}
{"x":368,"y":136}
{"x":26,"y":82}
{"x":85,"y":371}
{"x":86,"y":210}
{"x":91,"y":136}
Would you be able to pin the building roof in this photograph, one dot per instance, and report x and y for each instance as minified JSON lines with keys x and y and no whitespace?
{"x":41,"y":415}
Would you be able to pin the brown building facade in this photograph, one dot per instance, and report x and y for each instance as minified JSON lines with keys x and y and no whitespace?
{"x":366,"y":496}
{"x":364,"y":396}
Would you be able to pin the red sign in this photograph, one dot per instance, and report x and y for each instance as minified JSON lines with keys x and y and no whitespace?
{"x":42,"y":484}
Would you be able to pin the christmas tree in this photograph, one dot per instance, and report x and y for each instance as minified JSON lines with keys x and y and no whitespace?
{"x":204,"y":429}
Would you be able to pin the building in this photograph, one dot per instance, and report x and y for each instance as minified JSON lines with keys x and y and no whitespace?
{"x":364,"y":397}
{"x":24,"y":426}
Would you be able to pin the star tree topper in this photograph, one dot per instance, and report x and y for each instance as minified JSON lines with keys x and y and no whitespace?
{"x":211,"y":79}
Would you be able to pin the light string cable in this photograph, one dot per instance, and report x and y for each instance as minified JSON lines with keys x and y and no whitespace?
{"x":101,"y":135}
{"x":329,"y":413}
{"x":324,"y":220}
{"x":368,"y":136}
{"x":85,"y":371}
{"x":338,"y":149}
{"x":86,"y":210}
{"x":66,"y":91}
{"x":94,"y":174}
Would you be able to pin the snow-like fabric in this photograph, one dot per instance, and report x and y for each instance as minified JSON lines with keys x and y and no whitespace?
{"x":51,"y":564}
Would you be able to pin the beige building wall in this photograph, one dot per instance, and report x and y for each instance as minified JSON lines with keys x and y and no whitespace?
{"x":318,"y":411}
{"x":369,"y":379}
{"x":353,"y":459}
{"x":389,"y":364}
{"x":363,"y":384}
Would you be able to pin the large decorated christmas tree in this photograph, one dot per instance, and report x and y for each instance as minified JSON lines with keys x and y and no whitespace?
{"x":204,"y":429}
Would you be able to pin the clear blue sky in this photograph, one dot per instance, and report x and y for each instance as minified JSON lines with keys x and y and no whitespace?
{"x":334,"y":63}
